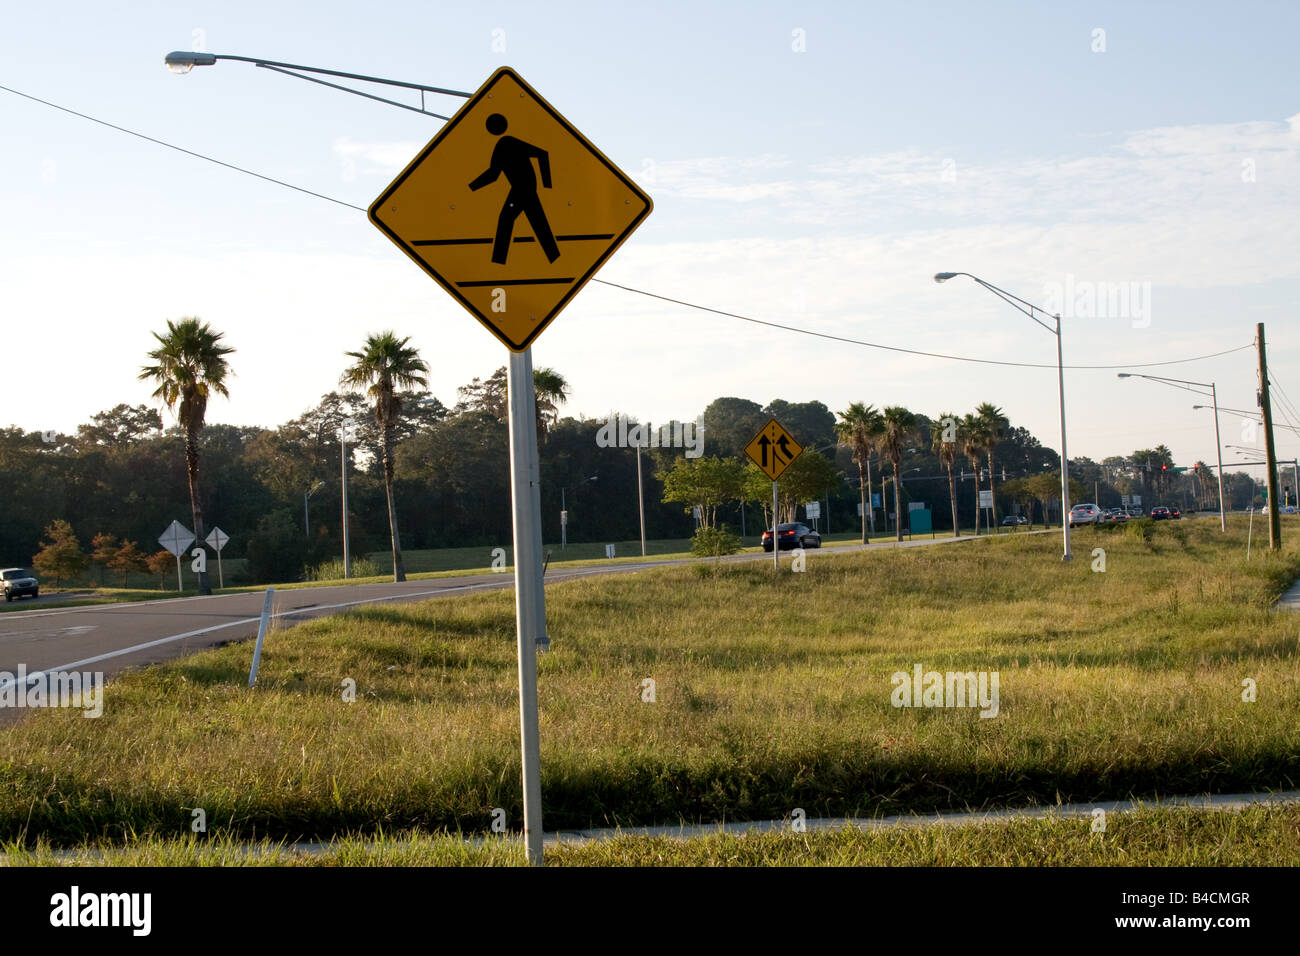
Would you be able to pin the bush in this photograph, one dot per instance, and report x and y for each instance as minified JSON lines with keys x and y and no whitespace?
{"x":277,"y":550}
{"x":333,"y":570}
{"x":1141,"y":529}
{"x":714,"y":542}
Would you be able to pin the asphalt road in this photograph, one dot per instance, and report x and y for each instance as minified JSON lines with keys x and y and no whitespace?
{"x":109,"y":638}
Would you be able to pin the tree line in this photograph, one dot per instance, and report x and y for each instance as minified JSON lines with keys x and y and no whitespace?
{"x":425,"y":475}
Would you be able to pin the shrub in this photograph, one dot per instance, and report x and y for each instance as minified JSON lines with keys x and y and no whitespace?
{"x":714,"y":542}
{"x":277,"y":549}
{"x":333,"y":570}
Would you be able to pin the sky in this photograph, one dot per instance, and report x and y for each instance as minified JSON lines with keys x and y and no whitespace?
{"x":1133,"y":166}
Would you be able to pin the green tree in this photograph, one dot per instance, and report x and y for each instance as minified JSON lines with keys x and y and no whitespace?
{"x":550,"y":391}
{"x":992,"y":426}
{"x":897,"y":428}
{"x":809,"y":477}
{"x":191,"y":366}
{"x":61,"y":555}
{"x":277,"y":549}
{"x":756,"y":487}
{"x":944,"y":445}
{"x":857,"y":429}
{"x":385,"y":365}
{"x":708,"y":481}
{"x":129,"y":558}
{"x":972,"y":448}
{"x":729,"y":424}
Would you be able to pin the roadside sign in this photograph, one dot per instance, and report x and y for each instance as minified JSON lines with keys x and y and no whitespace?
{"x":859,"y":509}
{"x":1124,"y":500}
{"x":176,"y":538}
{"x":986,"y":498}
{"x":915,"y":505}
{"x":1137,"y":500}
{"x":510,"y":209}
{"x":773,"y":449}
{"x":217,"y":539}
{"x":813,"y":509}
{"x":875,"y":500}
{"x":609,"y":550}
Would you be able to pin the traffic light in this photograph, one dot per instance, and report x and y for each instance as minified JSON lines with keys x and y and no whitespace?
{"x":1164,"y":467}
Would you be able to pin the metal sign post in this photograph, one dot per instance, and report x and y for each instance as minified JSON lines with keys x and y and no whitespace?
{"x":217,"y":539}
{"x":176,"y":539}
{"x":776,"y":541}
{"x":530,"y":597}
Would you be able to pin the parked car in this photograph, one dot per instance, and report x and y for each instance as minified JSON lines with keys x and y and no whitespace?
{"x":18,"y":582}
{"x":1160,"y":514}
{"x":1084,"y":514}
{"x":793,"y":535}
{"x":1015,"y":520}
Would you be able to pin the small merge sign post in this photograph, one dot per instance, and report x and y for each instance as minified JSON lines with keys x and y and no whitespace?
{"x":773,"y":449}
{"x":176,"y":539}
{"x":217,"y":540}
{"x":511,"y":210}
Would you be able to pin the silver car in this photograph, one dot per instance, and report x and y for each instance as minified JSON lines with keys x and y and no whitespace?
{"x":1084,"y":514}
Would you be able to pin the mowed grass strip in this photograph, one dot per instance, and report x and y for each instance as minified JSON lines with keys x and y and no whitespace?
{"x":1256,"y":836}
{"x":771,"y":692}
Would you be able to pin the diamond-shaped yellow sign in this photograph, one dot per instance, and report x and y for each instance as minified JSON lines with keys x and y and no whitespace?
{"x":773,"y":449}
{"x":510,"y":209}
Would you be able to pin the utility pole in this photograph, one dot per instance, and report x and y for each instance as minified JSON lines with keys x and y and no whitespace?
{"x":1274,"y":509}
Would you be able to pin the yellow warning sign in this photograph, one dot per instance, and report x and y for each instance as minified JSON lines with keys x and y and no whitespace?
{"x":773,"y":449}
{"x":510,"y":209}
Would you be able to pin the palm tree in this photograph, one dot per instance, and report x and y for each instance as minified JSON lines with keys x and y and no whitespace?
{"x":858,"y":427}
{"x":897,"y":426}
{"x":995,"y":425}
{"x":947,"y":453}
{"x":386,"y":364}
{"x":191,"y":366}
{"x":550,"y":392}
{"x":972,"y":449}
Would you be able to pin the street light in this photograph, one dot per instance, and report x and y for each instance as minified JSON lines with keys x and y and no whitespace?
{"x":1294,"y":463}
{"x":306,"y":518}
{"x":1214,"y":398}
{"x":564,"y":512}
{"x":1029,"y":310}
{"x":181,"y":62}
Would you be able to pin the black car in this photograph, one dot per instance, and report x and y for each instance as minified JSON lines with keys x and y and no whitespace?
{"x":794,"y":535}
{"x":1160,"y":514}
{"x":17,"y":582}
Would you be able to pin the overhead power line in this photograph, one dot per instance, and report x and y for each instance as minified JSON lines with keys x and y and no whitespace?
{"x":615,"y":285}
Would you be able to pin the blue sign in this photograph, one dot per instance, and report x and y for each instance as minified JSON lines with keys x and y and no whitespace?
{"x":875,"y":500}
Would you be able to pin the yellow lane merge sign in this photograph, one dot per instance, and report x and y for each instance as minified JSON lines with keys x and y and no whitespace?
{"x":510,"y":209}
{"x":773,"y":449}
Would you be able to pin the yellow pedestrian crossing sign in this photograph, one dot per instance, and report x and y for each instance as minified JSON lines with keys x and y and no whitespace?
{"x":773,"y":449}
{"x":510,"y":209}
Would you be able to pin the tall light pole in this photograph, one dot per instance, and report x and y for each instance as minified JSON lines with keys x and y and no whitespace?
{"x":343,"y":460}
{"x":1214,"y":398}
{"x":564,"y":512}
{"x":1029,"y":310}
{"x":306,"y":516}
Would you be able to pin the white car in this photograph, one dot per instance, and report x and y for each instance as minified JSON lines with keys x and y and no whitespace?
{"x":1084,"y":514}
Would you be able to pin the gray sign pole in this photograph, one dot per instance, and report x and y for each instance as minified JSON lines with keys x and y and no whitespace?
{"x":530,"y":598}
{"x":776,"y":542}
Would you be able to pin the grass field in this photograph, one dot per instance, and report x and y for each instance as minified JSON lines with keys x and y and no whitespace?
{"x":772,"y":692}
{"x":1256,"y":836}
{"x":85,"y":589}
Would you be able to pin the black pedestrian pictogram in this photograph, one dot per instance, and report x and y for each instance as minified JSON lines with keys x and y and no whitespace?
{"x":514,"y":158}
